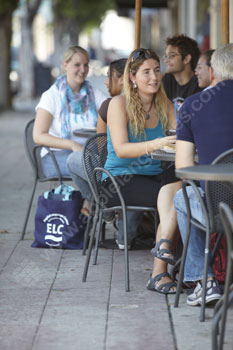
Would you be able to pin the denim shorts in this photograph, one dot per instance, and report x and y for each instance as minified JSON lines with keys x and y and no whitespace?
{"x":48,"y":167}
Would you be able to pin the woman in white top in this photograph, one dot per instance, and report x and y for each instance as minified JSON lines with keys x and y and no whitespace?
{"x":70,"y":103}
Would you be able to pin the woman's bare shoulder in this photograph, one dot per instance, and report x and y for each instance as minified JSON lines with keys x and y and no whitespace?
{"x":117,"y":108}
{"x":119,"y":99}
{"x":118,"y":104}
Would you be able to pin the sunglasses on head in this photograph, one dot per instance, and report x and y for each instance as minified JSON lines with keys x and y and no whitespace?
{"x":141,"y":52}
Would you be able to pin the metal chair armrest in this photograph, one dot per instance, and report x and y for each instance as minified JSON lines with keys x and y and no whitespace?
{"x":52,"y":157}
{"x":115,"y":185}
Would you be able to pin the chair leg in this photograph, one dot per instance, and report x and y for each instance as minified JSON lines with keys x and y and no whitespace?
{"x":103,"y":229}
{"x":220,"y":314}
{"x":181,"y":272}
{"x":28,"y":210}
{"x":226,"y":302}
{"x":175,"y":269}
{"x":88,"y":228}
{"x":215,"y":325}
{"x":86,"y":234}
{"x":126,"y":252}
{"x":90,"y":246}
{"x":156,"y":221}
{"x":98,"y":237}
{"x":218,"y":306}
{"x":216,"y":247}
{"x":205,"y":277}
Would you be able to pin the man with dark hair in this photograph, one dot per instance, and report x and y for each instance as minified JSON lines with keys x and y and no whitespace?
{"x":182,"y":54}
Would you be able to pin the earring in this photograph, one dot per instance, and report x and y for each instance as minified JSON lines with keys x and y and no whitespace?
{"x":135,"y":85}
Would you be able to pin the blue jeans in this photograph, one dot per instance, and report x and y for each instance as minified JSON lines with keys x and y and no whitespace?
{"x":75,"y":168}
{"x":133,"y":220}
{"x":194,"y":263}
{"x":48,"y":165}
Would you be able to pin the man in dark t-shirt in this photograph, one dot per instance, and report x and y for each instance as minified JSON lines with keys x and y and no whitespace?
{"x":206,"y":124}
{"x":181,"y":58}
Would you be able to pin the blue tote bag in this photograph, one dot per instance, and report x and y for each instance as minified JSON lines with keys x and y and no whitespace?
{"x":58,"y":222}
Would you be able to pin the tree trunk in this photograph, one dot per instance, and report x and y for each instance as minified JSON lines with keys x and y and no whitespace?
{"x":65,"y":34}
{"x":73,"y":32}
{"x":27,"y":60}
{"x":27,"y":88}
{"x":59,"y":45}
{"x":5,"y":39}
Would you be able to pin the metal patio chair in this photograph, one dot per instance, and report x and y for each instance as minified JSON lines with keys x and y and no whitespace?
{"x":33,"y":153}
{"x":95,"y":153}
{"x":221,"y":308}
{"x":215,"y":192}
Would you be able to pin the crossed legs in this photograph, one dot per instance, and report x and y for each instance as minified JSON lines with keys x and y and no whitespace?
{"x":167,"y":230}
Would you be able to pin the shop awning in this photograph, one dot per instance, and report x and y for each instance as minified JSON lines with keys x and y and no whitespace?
{"x":129,"y":4}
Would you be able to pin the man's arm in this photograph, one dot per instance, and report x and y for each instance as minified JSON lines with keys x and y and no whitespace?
{"x":184,"y":154}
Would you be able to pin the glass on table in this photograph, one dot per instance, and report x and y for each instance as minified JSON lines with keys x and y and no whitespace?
{"x":169,"y":148}
{"x":170,"y":132}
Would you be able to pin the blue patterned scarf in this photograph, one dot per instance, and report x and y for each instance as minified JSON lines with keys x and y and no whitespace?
{"x":75,"y":105}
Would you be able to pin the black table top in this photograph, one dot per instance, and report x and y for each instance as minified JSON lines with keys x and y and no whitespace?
{"x":211,"y":172}
{"x":84,"y":132}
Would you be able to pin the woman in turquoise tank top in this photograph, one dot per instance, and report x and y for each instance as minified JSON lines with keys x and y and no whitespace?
{"x":137,"y":121}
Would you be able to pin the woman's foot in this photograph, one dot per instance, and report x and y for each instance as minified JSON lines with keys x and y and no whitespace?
{"x":86,"y":208}
{"x":164,"y":250}
{"x":85,"y":211}
{"x":162,"y":283}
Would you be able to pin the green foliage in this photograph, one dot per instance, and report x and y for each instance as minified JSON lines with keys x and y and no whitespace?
{"x":7,"y":7}
{"x":86,"y":13}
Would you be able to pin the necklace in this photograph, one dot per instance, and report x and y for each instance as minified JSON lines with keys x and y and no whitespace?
{"x":147,"y":114}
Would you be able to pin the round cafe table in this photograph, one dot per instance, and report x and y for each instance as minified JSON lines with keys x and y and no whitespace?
{"x":159,"y":154}
{"x":212,"y":172}
{"x":84,"y":132}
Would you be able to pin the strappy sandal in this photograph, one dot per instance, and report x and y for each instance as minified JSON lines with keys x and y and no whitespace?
{"x":164,"y":288}
{"x":162,"y":253}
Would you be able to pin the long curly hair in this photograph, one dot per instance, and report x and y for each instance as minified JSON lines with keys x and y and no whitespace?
{"x":134,"y":106}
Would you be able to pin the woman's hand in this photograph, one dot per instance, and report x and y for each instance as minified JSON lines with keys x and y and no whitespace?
{"x":76,"y":147}
{"x":163,"y":141}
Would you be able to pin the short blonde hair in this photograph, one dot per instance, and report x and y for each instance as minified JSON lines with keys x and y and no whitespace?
{"x":70,"y":51}
{"x":134,"y":104}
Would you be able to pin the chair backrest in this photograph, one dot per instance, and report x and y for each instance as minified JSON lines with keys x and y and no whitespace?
{"x":94,"y":155}
{"x":227,"y":219}
{"x":218,"y":328}
{"x":29,"y":147}
{"x":217,"y":192}
{"x":33,"y":153}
